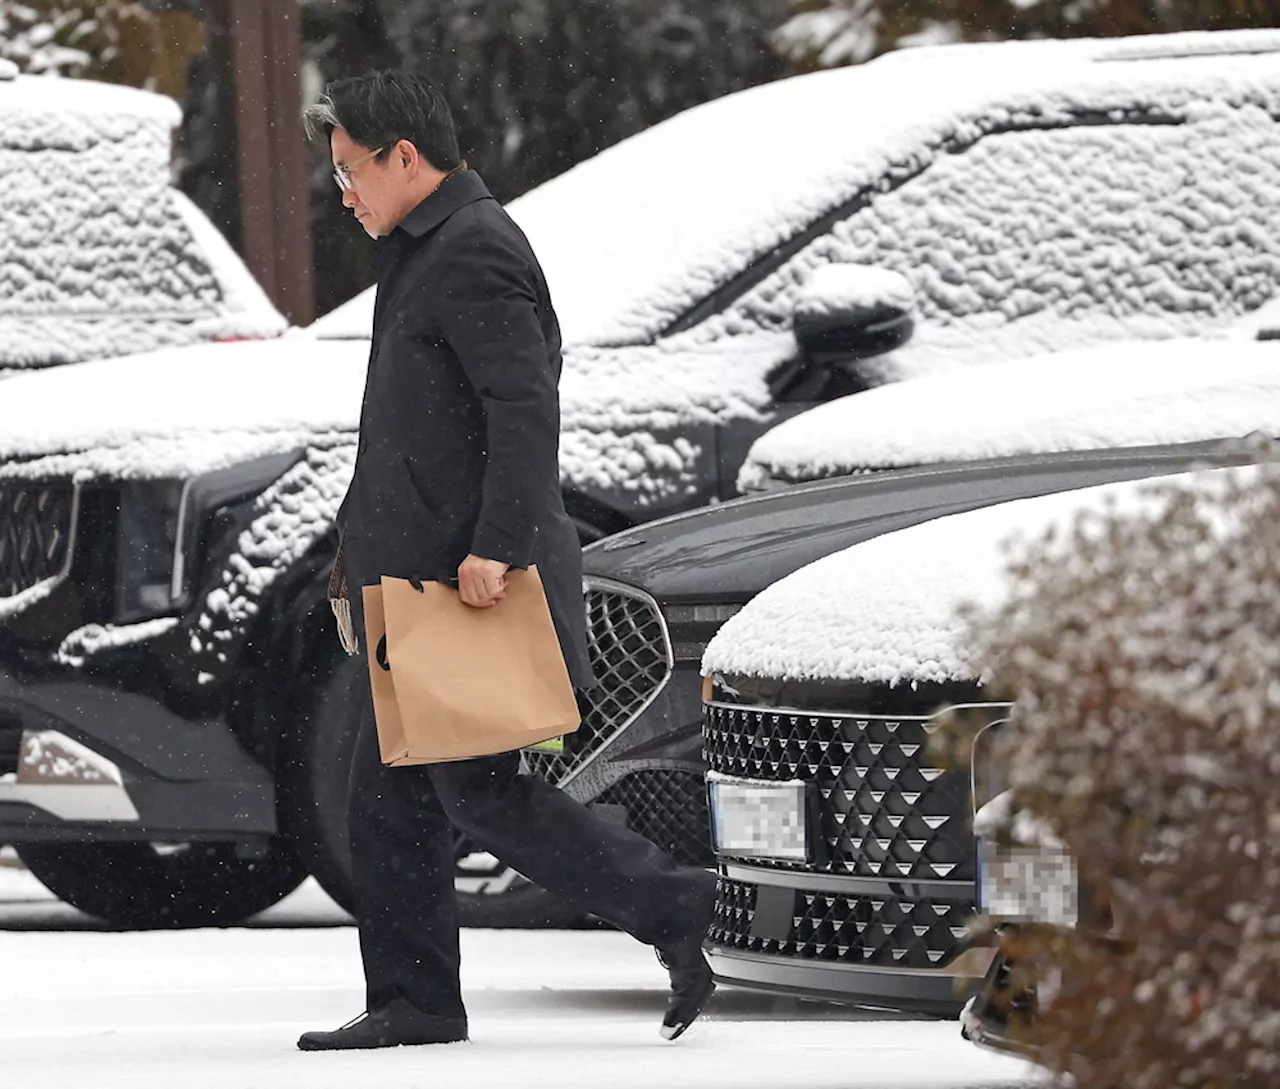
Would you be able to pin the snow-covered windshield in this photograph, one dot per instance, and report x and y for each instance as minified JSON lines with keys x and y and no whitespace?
{"x":99,"y":254}
{"x":635,"y":238}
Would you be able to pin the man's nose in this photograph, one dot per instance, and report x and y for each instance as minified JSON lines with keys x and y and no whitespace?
{"x":348,"y":198}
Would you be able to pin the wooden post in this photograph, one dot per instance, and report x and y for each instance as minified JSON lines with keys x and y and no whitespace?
{"x":266,"y":60}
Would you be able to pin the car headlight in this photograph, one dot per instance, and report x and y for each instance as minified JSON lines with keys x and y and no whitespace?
{"x":161,"y":531}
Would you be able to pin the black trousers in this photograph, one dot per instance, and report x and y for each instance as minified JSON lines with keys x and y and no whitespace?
{"x":402,"y":834}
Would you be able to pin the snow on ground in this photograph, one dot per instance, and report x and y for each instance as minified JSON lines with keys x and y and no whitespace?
{"x":563,"y":1009}
{"x":25,"y":904}
{"x":1136,"y":393}
{"x":886,"y":610}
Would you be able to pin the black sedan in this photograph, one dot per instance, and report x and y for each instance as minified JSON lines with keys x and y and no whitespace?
{"x":658,"y":593}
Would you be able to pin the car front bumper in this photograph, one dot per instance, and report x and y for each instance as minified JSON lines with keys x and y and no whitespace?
{"x":804,"y":934}
{"x":87,"y":761}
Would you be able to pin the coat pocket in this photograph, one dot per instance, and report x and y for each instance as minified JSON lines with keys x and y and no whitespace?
{"x":417,"y":481}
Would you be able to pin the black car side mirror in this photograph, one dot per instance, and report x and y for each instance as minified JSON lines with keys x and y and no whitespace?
{"x":843,"y":313}
{"x":849,"y":312}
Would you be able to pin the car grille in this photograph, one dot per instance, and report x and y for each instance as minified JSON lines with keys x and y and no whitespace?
{"x":668,"y":807}
{"x":881,"y":931}
{"x":886,"y":810}
{"x":36,"y":528}
{"x":631,"y":659}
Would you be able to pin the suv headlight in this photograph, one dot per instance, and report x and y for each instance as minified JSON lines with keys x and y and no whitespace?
{"x":146,"y":543}
{"x":161,"y":532}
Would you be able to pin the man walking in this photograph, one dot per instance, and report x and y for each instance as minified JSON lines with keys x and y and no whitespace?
{"x":457,"y":476}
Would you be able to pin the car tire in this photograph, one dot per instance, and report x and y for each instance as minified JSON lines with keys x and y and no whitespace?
{"x":150,"y":886}
{"x":314,"y":778}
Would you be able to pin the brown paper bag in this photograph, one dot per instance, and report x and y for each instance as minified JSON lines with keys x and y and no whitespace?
{"x":451,"y":682}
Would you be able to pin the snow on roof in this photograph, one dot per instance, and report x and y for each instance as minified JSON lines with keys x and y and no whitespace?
{"x":99,"y":255}
{"x":1128,"y":394}
{"x":885,"y":610}
{"x":353,"y":320}
{"x":44,"y":111}
{"x":633,"y":237}
{"x":181,"y":411}
{"x":662,"y":219}
{"x":1260,"y":324}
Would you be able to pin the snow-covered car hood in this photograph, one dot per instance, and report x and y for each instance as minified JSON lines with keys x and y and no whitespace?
{"x":636,"y":236}
{"x":1134,"y":393}
{"x":181,"y":411}
{"x":886,"y":610}
{"x":626,"y":413}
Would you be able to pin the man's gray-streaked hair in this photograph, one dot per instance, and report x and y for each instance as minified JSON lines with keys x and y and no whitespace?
{"x":378,"y":109}
{"x":321,"y":118}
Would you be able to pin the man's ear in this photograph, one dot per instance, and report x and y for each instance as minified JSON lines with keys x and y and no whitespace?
{"x":407,"y":153}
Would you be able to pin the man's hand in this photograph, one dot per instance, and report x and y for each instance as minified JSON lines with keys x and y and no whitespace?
{"x":482,"y":583}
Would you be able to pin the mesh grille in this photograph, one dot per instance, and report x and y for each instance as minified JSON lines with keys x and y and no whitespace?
{"x":631,"y":660}
{"x":882,"y":931}
{"x":35,"y":535}
{"x":668,"y":808}
{"x":886,"y":810}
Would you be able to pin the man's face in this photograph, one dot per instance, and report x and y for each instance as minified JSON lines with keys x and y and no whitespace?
{"x":377,"y":190}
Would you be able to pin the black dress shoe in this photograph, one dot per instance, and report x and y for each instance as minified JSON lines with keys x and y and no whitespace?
{"x":691,"y":986}
{"x":395,"y":1024}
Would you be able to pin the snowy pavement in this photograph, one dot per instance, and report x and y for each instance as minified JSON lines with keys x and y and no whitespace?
{"x":82,"y":1008}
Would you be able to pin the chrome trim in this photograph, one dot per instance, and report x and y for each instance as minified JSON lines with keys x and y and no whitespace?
{"x":773,"y":961}
{"x":594,"y":582}
{"x":179,"y":566}
{"x":73,"y":801}
{"x":47,"y":585}
{"x":973,"y":764}
{"x":845,"y":884}
{"x":935,"y":991}
{"x":724,"y":705}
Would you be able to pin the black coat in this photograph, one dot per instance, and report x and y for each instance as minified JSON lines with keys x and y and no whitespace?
{"x":460,"y":427}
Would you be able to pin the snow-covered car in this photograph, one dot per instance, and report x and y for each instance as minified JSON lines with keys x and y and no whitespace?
{"x":846,"y":856}
{"x":1125,"y":394}
{"x":99,"y":253}
{"x":164,"y":602}
{"x":711,"y":283}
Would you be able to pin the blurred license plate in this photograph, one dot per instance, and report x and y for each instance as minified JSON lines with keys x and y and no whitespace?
{"x":1027,"y":884}
{"x":759,"y":819}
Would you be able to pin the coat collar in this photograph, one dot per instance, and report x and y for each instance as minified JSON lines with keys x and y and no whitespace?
{"x":456,"y":192}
